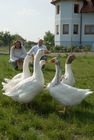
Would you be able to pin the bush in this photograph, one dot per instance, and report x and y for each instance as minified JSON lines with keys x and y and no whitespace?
{"x":74,"y":48}
{"x":87,"y":48}
{"x":57,"y":48}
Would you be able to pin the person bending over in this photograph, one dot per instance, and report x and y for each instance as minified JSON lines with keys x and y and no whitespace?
{"x":17,"y":55}
{"x":34,"y":50}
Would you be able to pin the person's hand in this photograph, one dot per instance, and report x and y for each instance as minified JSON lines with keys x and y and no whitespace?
{"x":33,"y":59}
{"x":20,"y":60}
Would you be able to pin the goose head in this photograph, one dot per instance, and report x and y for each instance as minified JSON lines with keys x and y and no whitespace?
{"x":42,"y":52}
{"x":54,"y":60}
{"x":28,"y":58}
{"x":26,"y":71}
{"x":70,"y":59}
{"x":57,"y":62}
{"x":57,"y":77}
{"x":42,"y":62}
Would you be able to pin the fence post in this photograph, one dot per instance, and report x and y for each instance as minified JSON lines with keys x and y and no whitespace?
{"x":71,"y":44}
{"x":9,"y":46}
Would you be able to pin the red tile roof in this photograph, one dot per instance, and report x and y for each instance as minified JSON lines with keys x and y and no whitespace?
{"x":54,"y":1}
{"x":88,"y":7}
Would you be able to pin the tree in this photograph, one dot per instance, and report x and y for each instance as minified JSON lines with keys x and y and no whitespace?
{"x":1,"y":39}
{"x":49,"y":40}
{"x":29,"y":44}
{"x":1,"y":43}
{"x":6,"y":38}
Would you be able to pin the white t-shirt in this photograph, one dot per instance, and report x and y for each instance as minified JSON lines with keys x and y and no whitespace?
{"x":15,"y":54}
{"x":34,"y":49}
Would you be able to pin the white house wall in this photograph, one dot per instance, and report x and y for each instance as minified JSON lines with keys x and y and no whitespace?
{"x":57,"y":22}
{"x":67,"y":16}
{"x":87,"y":18}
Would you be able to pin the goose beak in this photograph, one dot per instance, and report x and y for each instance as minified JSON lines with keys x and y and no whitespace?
{"x":52,"y":60}
{"x":46,"y":52}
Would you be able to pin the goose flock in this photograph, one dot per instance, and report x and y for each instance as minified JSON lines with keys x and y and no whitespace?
{"x":62,"y":91}
{"x":23,"y":87}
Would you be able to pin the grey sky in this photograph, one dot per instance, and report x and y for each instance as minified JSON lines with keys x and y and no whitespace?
{"x":29,"y":18}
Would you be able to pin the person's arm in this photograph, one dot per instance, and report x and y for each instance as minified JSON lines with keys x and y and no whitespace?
{"x":12,"y":57}
{"x":45,"y":48}
{"x":23,"y":52}
{"x":31,"y":51}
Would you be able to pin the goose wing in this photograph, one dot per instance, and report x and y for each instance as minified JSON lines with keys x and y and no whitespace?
{"x":22,"y":87}
{"x":68,"y":95}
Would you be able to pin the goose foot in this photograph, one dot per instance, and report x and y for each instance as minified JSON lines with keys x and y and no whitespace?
{"x":63,"y":111}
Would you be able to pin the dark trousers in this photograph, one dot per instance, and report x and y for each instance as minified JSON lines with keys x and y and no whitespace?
{"x":42,"y":58}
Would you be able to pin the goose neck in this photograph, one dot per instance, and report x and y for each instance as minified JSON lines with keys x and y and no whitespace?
{"x":56,"y":79}
{"x":26,"y":70}
{"x":37,"y":69}
{"x":67,"y":68}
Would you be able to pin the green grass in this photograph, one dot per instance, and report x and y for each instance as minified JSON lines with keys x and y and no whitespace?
{"x":4,"y":49}
{"x":43,"y":122}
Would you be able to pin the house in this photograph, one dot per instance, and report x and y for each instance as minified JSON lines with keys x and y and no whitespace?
{"x":74,"y":22}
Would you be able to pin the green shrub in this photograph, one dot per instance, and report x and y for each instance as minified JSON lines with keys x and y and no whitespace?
{"x":73,"y":48}
{"x":87,"y":48}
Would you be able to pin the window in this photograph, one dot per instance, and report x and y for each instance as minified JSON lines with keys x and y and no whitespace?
{"x":75,"y":29}
{"x":65,"y":28}
{"x":89,"y":29}
{"x":76,"y":8}
{"x":57,"y":9}
{"x":57,"y":29}
{"x":92,"y":29}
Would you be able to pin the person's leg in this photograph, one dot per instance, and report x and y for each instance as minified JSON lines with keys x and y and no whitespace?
{"x":44,"y":58}
{"x":14,"y":64}
{"x":32,"y":64}
{"x":20,"y":63}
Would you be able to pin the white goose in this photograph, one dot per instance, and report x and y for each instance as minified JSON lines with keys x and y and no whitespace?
{"x":65,"y":94}
{"x":68,"y":77}
{"x":17,"y":78}
{"x":26,"y":71}
{"x":28,"y":88}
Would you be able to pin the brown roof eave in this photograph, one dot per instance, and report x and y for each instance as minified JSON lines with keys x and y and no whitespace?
{"x":88,"y":12}
{"x":54,"y":1}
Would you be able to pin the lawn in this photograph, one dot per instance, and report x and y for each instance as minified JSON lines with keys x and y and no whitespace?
{"x":43,"y":121}
{"x":6,"y":50}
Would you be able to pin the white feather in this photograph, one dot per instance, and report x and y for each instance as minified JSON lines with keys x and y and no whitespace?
{"x":65,"y":94}
{"x":68,"y":77}
{"x":16,"y":79}
{"x":28,"y":88}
